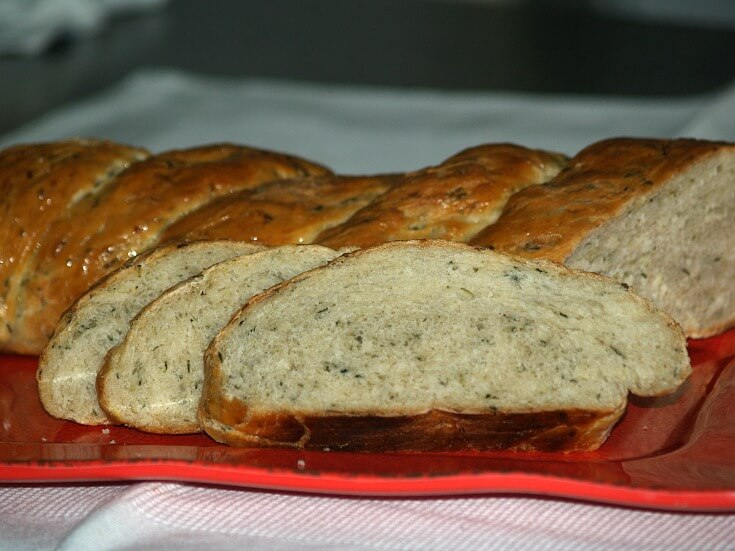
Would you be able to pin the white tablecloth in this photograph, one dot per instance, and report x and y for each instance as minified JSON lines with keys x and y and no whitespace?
{"x":351,"y":130}
{"x":176,"y":516}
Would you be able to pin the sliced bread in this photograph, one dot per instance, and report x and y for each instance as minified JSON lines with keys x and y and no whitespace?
{"x":437,"y":346}
{"x":99,"y":320}
{"x":153,"y":380}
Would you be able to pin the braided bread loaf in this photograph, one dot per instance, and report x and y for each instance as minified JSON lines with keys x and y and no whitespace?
{"x":651,"y":213}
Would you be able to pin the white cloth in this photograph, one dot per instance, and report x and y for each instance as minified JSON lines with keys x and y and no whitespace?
{"x":187,"y":517}
{"x":363,"y":129}
{"x":351,"y":130}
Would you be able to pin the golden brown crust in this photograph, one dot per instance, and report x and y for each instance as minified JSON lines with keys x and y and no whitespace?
{"x":551,"y":220}
{"x":128,"y":216}
{"x":39,"y":183}
{"x":283,"y":212}
{"x":452,"y":201}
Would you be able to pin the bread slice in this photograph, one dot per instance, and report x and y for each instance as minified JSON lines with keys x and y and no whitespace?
{"x":437,"y":346}
{"x":453,"y":200}
{"x":655,"y":214}
{"x":39,"y":183}
{"x":153,"y":380}
{"x":101,"y":232}
{"x":67,"y":370}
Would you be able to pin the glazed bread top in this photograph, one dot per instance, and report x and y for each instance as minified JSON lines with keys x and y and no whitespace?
{"x":452,"y":201}
{"x":281,"y":212}
{"x":550,"y":221}
{"x":101,"y":231}
{"x":40,"y":183}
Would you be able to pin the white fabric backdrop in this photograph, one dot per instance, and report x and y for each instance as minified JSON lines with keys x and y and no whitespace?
{"x":367,"y":130}
{"x":351,"y":130}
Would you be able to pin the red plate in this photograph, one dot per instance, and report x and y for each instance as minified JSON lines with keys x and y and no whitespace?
{"x":676,"y":452}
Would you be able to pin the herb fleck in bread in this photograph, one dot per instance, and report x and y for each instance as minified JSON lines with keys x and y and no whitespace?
{"x":655,"y":214}
{"x":437,"y":345}
{"x":99,"y":320}
{"x":153,"y":380}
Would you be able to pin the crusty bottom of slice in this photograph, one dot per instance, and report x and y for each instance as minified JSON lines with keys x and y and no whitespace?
{"x":434,"y":430}
{"x":434,"y":346}
{"x":99,"y":320}
{"x":153,"y":380}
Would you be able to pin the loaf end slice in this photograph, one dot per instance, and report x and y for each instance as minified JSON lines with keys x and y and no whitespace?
{"x":99,"y":320}
{"x":654,"y":214}
{"x":675,"y":245}
{"x":437,"y":346}
{"x":153,"y":380}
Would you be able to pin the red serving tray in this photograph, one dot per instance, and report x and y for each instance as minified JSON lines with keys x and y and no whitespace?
{"x":675,"y":452}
